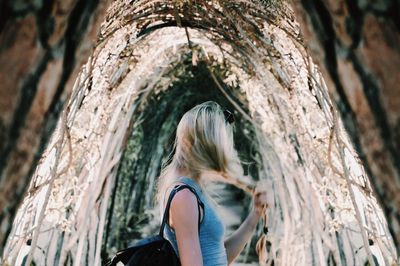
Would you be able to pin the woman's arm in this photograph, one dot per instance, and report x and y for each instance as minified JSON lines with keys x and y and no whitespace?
{"x":235,"y":243}
{"x":184,"y":220}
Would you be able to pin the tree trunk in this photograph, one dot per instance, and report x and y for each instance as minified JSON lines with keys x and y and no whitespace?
{"x":42,"y":45}
{"x":357,"y":44}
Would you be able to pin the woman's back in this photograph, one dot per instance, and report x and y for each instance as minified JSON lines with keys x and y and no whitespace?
{"x":211,"y":231}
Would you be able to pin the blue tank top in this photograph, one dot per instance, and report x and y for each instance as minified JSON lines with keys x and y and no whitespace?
{"x":212,"y":231}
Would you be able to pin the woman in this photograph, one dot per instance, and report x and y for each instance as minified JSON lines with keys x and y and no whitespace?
{"x":204,"y":150}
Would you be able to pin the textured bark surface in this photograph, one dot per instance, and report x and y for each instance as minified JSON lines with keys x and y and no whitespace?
{"x":357,"y":44}
{"x":42,"y":45}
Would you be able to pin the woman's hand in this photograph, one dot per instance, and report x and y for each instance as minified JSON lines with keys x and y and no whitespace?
{"x":260,"y":203}
{"x":235,"y":243}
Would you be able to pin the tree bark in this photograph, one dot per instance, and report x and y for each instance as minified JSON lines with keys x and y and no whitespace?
{"x":42,"y":45}
{"x":357,"y":46}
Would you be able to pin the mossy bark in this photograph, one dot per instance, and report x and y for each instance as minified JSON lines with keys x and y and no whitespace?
{"x":40,"y":56}
{"x":357,"y":45}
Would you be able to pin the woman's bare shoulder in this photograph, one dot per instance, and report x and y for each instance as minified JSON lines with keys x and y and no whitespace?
{"x":184,"y":204}
{"x":169,"y":190}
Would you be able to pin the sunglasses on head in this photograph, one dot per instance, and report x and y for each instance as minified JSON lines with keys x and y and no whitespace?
{"x":229,"y":117}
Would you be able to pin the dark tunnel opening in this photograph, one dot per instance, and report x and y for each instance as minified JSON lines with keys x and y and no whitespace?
{"x":149,"y":144}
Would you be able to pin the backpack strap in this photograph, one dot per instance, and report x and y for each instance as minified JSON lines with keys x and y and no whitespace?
{"x":175,"y":190}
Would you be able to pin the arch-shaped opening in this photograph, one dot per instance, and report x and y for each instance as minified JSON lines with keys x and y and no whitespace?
{"x":149,"y":142}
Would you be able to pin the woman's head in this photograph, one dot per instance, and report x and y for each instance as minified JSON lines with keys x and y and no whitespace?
{"x":203,"y":144}
{"x":204,"y":140}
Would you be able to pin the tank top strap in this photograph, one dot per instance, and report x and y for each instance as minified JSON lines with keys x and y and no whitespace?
{"x":189,"y":181}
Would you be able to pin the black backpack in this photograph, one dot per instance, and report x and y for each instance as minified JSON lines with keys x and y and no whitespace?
{"x":155,"y":250}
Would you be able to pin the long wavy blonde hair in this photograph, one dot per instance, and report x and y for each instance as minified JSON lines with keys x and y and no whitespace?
{"x":204,"y":147}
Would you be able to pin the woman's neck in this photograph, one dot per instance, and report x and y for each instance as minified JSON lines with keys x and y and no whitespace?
{"x":184,"y":172}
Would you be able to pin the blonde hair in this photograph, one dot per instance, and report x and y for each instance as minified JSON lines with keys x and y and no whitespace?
{"x":204,"y":147}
